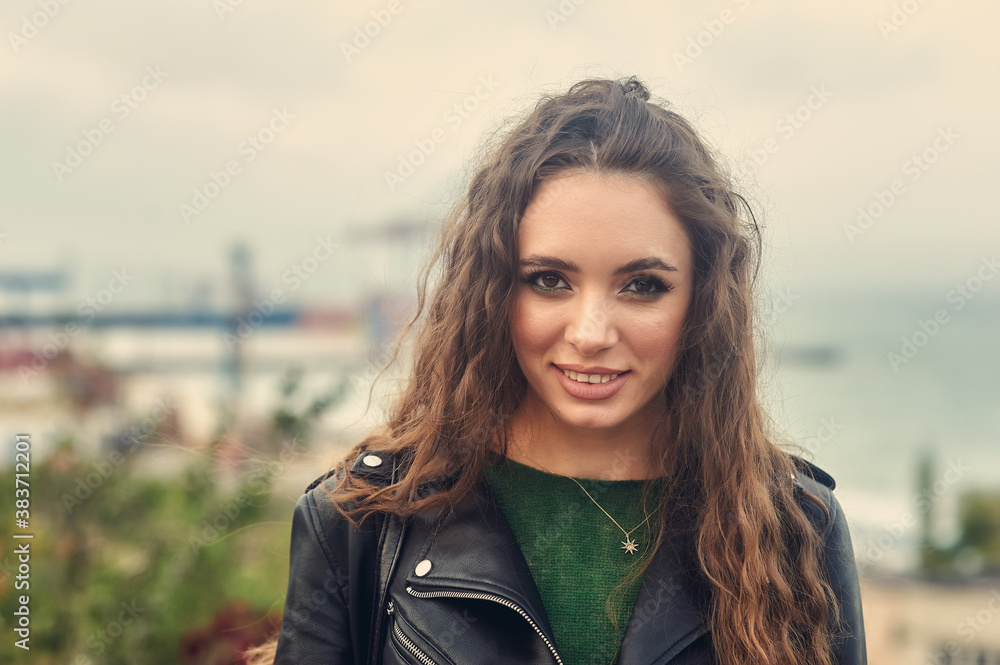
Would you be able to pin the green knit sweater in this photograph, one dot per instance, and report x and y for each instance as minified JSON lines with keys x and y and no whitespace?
{"x":575,"y":552}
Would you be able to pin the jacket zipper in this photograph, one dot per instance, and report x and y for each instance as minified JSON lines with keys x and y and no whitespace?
{"x":487,"y":596}
{"x":407,"y":643}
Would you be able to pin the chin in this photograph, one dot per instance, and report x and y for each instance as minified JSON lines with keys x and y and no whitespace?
{"x":593,"y":421}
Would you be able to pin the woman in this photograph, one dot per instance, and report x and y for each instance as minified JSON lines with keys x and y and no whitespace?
{"x":579,"y":469}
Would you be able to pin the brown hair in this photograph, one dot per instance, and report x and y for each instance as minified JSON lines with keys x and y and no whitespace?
{"x":730,"y":492}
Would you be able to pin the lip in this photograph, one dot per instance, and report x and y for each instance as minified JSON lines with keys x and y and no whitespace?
{"x":591,"y":369}
{"x":591,"y":391}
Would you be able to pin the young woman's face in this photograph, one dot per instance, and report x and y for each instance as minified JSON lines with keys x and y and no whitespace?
{"x":605,"y":281}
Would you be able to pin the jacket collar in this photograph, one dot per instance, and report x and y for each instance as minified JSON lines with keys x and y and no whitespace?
{"x":473,"y":549}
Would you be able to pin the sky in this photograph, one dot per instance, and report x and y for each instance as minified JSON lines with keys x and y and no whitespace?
{"x":149,"y":137}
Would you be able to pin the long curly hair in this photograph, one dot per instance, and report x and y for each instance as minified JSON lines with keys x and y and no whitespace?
{"x":730,"y":495}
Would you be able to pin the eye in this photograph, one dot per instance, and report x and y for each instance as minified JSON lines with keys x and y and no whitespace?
{"x":647,"y":286}
{"x":546,"y":281}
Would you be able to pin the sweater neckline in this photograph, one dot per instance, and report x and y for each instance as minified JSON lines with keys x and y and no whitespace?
{"x":498,"y":462}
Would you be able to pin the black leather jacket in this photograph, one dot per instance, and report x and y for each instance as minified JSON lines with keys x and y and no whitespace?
{"x":458,"y":589}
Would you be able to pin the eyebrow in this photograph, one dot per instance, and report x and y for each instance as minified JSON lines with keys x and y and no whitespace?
{"x":647,"y":263}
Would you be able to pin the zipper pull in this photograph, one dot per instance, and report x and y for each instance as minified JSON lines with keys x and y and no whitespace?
{"x":390,"y":609}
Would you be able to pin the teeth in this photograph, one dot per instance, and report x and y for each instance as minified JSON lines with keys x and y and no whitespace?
{"x":589,"y":378}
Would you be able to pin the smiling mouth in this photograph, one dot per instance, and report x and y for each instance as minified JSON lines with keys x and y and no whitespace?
{"x":579,"y":377}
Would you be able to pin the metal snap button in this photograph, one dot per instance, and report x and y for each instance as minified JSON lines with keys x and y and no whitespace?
{"x":423,"y":568}
{"x":372,"y":460}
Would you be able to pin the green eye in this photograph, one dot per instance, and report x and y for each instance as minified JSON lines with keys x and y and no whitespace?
{"x":647,"y":287}
{"x":546,"y":281}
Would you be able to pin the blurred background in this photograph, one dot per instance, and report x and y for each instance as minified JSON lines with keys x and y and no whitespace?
{"x":213,"y":213}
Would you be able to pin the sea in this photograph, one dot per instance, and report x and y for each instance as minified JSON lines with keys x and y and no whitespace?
{"x":869,"y":386}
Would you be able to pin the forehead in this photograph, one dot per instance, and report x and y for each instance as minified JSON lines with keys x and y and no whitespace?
{"x":609,"y":217}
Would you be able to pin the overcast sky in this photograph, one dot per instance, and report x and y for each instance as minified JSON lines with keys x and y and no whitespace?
{"x":114,"y":113}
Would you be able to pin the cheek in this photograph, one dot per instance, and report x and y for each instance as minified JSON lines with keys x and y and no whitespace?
{"x":655,"y":339}
{"x":533,"y":329}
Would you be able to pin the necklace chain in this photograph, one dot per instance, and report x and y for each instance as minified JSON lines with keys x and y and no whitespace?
{"x":628,"y":544}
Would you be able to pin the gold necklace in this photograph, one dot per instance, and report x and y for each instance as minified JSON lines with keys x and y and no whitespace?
{"x":629,"y":545}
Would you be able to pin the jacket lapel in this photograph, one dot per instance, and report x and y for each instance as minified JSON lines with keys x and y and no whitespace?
{"x":668,"y":614}
{"x":473,"y":549}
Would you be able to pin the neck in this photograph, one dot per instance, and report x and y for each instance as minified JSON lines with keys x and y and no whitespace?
{"x":538,"y":440}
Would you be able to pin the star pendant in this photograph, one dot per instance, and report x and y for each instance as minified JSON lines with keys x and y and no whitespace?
{"x":629,"y":546}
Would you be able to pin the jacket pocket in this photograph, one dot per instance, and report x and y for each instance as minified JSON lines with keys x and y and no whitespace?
{"x":402,"y":645}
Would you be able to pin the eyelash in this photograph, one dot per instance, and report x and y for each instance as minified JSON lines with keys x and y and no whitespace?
{"x":658,"y":285}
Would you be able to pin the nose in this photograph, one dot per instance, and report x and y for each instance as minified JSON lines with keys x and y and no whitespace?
{"x":592,"y":328}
